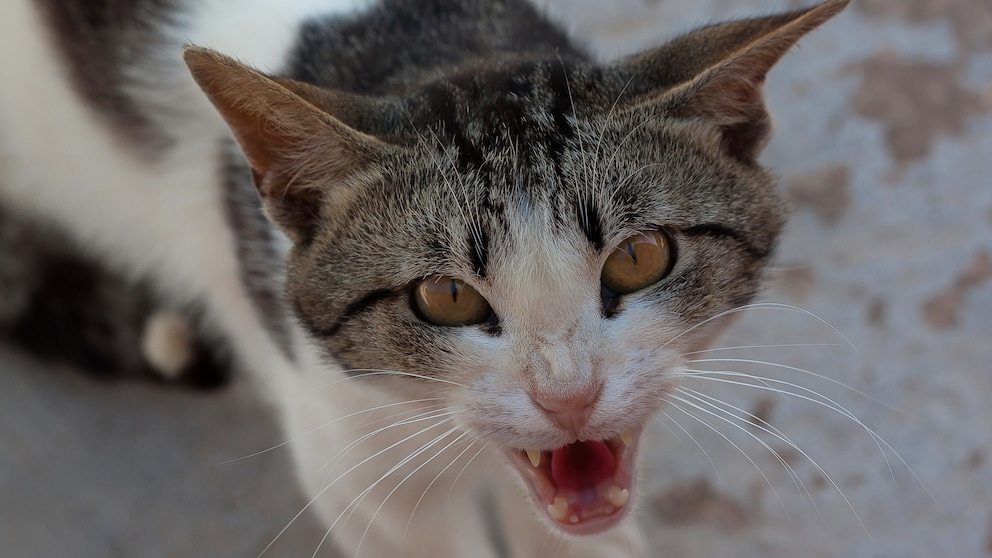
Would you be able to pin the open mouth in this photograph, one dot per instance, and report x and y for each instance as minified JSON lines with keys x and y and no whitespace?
{"x":584,"y":487}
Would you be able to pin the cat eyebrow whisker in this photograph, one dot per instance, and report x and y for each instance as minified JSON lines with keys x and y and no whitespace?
{"x":471,"y":218}
{"x":331,"y":484}
{"x":609,"y":116}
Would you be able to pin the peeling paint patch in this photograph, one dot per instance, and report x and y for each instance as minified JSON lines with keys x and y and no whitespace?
{"x":824,"y":191}
{"x":971,"y":19}
{"x":797,"y":283}
{"x":916,"y":102}
{"x":988,"y":538}
{"x":761,"y":413}
{"x":876,"y":312}
{"x":696,"y":501}
{"x":941,"y":311}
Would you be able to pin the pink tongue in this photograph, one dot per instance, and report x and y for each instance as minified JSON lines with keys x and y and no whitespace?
{"x":582,"y":465}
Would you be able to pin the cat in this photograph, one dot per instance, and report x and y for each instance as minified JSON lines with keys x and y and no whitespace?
{"x":498,"y":251}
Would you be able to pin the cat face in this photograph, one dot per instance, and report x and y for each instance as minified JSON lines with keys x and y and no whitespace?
{"x":557,"y":353}
{"x":538,"y":243}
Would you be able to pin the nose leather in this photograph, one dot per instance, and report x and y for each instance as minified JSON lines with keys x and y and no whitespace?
{"x":570,"y":413}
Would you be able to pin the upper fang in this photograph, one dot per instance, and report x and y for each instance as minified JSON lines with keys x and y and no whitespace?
{"x":535,"y":457}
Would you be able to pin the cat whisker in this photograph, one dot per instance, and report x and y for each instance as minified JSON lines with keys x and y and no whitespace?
{"x":582,"y":149}
{"x":407,"y":477}
{"x":427,"y":489}
{"x":758,"y":423}
{"x":473,"y":223}
{"x":761,"y":346}
{"x":325,"y":425}
{"x":766,"y":306}
{"x":330,"y":485}
{"x":349,"y":509}
{"x":620,"y":184}
{"x":620,"y":145}
{"x":797,"y":369}
{"x":765,"y":385}
{"x":716,"y":472}
{"x":425,"y":416}
{"x":609,"y":116}
{"x":451,"y":489}
{"x":365,"y":372}
{"x":675,"y":405}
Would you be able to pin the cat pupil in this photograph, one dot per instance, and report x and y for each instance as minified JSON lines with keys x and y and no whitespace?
{"x":631,"y":253}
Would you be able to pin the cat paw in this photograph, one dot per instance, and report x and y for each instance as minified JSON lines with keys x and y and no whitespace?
{"x":167,"y":344}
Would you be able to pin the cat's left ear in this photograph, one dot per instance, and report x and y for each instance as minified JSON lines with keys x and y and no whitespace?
{"x":303,"y":159}
{"x":716,"y":74}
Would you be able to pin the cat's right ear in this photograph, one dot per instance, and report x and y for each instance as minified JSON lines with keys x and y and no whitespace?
{"x":301,"y":157}
{"x":716,"y":74}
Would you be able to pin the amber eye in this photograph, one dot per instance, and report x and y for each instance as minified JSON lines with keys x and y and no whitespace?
{"x":445,"y":301}
{"x":639,"y":261}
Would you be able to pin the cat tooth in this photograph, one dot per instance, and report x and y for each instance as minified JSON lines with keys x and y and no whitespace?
{"x":628,"y":438}
{"x":573,"y":518}
{"x":559,"y":509}
{"x":618,"y":496}
{"x":535,"y":457}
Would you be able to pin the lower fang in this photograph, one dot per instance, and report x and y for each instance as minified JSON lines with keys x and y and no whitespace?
{"x":618,"y":496}
{"x":559,"y":509}
{"x":574,"y":518}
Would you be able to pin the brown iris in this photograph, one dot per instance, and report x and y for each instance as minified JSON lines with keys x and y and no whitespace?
{"x":445,"y":301}
{"x":639,"y":261}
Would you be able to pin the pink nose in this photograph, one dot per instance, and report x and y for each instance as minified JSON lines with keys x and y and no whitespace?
{"x":569,"y":412}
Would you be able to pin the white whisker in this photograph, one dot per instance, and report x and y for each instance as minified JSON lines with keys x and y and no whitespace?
{"x":322,"y":491}
{"x":797,"y":369}
{"x":716,"y":472}
{"x":325,"y":425}
{"x":675,"y":405}
{"x":366,"y":372}
{"x":773,"y":346}
{"x":451,"y":489}
{"x":407,"y":477}
{"x":767,"y":306}
{"x":402,"y":462}
{"x":431,"y":484}
{"x":757,"y":423}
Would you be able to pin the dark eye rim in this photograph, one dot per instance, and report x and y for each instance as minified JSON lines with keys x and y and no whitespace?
{"x":490,"y":325}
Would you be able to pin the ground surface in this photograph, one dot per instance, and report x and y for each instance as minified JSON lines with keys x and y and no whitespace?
{"x":884,"y":145}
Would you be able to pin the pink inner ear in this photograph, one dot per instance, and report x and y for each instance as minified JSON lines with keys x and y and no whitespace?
{"x":582,"y":465}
